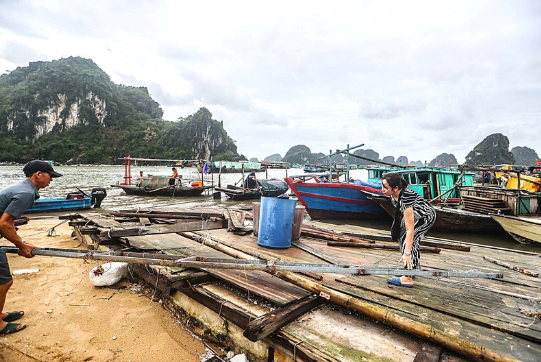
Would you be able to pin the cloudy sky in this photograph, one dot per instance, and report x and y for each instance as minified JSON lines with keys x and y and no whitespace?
{"x":413,"y":78}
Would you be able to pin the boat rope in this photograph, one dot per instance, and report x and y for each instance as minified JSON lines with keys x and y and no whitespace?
{"x":49,"y":232}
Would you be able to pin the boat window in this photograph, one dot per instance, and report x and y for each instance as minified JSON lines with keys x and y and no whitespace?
{"x":413,"y":179}
{"x":422,"y":177}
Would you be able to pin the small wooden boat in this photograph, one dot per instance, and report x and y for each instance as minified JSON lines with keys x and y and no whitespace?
{"x":239,"y":193}
{"x":73,"y":201}
{"x":268,"y":188}
{"x":525,"y":230}
{"x":159,"y":186}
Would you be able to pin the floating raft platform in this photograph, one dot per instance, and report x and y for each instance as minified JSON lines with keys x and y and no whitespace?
{"x":287,"y":316}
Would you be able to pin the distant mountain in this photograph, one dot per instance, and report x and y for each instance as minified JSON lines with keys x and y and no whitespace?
{"x":371,"y":154}
{"x":493,"y":150}
{"x":300,"y":154}
{"x":273,"y":158}
{"x":402,"y":161}
{"x":69,"y":109}
{"x":388,"y":159}
{"x":416,"y":163}
{"x":254,"y":159}
{"x":524,"y":156}
{"x":443,"y":160}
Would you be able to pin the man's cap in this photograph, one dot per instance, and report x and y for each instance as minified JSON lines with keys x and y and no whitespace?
{"x":34,"y":166}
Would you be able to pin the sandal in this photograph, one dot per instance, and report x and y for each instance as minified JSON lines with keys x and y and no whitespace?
{"x":396,"y":281}
{"x":12,"y":328}
{"x":13,"y":316}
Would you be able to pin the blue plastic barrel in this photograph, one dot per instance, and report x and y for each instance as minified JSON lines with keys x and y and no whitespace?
{"x":276,"y":222}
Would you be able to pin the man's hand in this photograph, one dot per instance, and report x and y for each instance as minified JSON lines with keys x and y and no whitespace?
{"x":25,"y":249}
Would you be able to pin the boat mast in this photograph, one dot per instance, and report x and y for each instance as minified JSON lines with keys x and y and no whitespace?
{"x":340,"y":152}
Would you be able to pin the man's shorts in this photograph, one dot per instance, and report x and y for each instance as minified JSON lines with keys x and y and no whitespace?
{"x":5,"y":273}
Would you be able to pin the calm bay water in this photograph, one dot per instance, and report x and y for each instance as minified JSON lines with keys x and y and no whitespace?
{"x":88,"y":177}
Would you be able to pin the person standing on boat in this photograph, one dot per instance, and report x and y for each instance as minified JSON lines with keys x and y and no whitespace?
{"x":413,"y":218}
{"x":14,"y":200}
{"x":174,"y":177}
{"x":251,"y":180}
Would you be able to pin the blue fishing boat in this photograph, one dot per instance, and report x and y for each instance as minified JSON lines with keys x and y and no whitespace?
{"x":73,"y":201}
{"x":336,"y":200}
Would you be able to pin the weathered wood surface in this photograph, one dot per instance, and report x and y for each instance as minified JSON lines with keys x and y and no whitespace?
{"x":271,"y":322}
{"x":125,"y":231}
{"x":476,"y":313}
{"x":481,"y":319}
{"x":257,"y":282}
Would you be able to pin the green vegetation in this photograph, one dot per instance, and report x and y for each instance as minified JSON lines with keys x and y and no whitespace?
{"x":443,"y":160}
{"x":300,"y":154}
{"x":493,"y":150}
{"x":69,"y":110}
{"x":524,"y":156}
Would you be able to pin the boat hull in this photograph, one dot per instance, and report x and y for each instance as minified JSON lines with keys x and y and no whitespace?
{"x":239,"y":193}
{"x":450,"y":219}
{"x":59,"y":204}
{"x":523,"y":230}
{"x":336,"y":200}
{"x":169,"y":191}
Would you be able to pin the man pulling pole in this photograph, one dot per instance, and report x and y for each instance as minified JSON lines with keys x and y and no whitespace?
{"x":14,"y":200}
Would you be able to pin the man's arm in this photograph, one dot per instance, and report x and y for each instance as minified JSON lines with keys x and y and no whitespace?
{"x":7,"y":229}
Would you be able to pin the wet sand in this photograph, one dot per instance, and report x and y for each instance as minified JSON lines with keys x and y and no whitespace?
{"x":68,"y":319}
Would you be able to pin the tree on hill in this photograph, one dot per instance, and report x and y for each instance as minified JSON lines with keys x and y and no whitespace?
{"x":524,"y":156}
{"x":493,"y":150}
{"x":300,"y":154}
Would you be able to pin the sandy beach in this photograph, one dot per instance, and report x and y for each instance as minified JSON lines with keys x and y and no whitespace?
{"x":68,"y":319}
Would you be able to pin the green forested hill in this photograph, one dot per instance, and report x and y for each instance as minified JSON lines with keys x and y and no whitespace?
{"x":70,"y":110}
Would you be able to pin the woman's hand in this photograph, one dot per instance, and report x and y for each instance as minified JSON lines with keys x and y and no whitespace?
{"x":406,"y":259}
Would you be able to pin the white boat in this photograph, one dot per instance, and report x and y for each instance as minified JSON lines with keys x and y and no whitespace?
{"x":523,"y":229}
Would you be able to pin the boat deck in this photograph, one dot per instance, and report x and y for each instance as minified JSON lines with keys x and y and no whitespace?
{"x":478,"y":319}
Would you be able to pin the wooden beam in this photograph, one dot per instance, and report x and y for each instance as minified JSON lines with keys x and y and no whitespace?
{"x":163,"y":229}
{"x":426,"y":249}
{"x":158,"y":215}
{"x":272,"y":321}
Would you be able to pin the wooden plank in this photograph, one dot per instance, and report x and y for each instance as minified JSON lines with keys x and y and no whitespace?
{"x":164,"y":229}
{"x":424,"y":249}
{"x":309,"y":249}
{"x":462,"y":308}
{"x":237,"y":218}
{"x":272,"y":321}
{"x":144,"y":221}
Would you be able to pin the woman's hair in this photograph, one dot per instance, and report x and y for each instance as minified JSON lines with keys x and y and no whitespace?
{"x":394,"y":180}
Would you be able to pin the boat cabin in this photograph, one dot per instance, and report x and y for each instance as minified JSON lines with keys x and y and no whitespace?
{"x":156,"y":182}
{"x":429,"y":182}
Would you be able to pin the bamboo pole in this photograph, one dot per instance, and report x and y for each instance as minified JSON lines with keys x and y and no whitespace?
{"x":512,"y":267}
